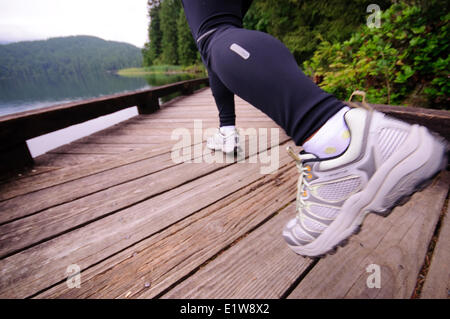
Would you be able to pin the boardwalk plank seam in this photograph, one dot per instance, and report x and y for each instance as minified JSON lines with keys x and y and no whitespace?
{"x":396,"y":243}
{"x":436,"y":283}
{"x":75,"y":193}
{"x":209,"y":210}
{"x":138,"y":218}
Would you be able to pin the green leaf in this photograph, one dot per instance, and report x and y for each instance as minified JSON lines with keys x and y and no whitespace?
{"x":418,"y":30}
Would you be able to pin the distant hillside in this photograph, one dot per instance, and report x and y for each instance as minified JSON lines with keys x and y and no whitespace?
{"x":66,"y":56}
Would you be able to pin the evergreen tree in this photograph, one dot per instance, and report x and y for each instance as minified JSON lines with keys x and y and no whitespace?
{"x":170,"y":9}
{"x":302,"y":25}
{"x":152,"y":49}
{"x":187,"y":50}
{"x":66,"y":56}
{"x":146,"y":60}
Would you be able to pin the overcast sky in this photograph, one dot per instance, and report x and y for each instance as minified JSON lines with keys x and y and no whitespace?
{"x":117,"y":20}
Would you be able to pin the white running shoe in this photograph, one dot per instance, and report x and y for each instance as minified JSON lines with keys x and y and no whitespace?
{"x":227,"y":143}
{"x":386,"y":162}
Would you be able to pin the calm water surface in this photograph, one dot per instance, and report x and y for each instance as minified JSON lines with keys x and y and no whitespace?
{"x":19,"y":95}
{"x":23,"y":95}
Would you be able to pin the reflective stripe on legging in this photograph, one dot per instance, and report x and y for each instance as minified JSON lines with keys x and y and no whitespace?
{"x":262,"y":71}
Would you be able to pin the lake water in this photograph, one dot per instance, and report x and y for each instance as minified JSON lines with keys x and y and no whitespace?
{"x":19,"y":95}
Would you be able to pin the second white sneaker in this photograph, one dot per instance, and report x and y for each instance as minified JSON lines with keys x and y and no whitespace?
{"x":226,"y":142}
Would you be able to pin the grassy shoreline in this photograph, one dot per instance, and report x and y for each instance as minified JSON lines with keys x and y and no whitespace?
{"x":162,"y":69}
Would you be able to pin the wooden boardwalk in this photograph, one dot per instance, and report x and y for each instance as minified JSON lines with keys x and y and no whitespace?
{"x":140,"y":225}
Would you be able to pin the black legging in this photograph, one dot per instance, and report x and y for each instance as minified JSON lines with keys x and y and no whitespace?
{"x":256,"y":67}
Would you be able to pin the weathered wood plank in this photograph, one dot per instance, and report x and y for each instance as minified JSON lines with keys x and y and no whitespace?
{"x":150,"y":131}
{"x":260,"y":265}
{"x":137,"y":131}
{"x":397,"y":244}
{"x":437,"y":282}
{"x":163,"y":259}
{"x":205,"y":124}
{"x":205,"y":115}
{"x":16,"y":188}
{"x":190,"y":120}
{"x":46,"y":263}
{"x":90,"y":184}
{"x":96,"y":149}
{"x":126,"y":185}
{"x":64,"y":160}
{"x":66,"y":174}
{"x":38,"y":197}
{"x":54,"y":221}
{"x":125,"y":139}
{"x":28,"y":171}
{"x":76,"y":189}
{"x":131,"y":139}
{"x":207,"y":107}
{"x":209,"y":111}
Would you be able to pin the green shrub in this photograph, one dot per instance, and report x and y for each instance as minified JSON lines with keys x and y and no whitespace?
{"x":405,"y":61}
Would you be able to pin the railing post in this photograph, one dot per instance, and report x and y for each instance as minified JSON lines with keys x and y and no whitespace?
{"x":15,"y":156}
{"x":188,"y":89}
{"x":149,"y":104}
{"x":16,"y":129}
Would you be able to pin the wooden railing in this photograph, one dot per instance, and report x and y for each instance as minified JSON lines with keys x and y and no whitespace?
{"x":16,"y":129}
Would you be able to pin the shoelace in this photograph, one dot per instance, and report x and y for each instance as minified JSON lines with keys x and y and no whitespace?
{"x":363,"y":102}
{"x":302,"y":183}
